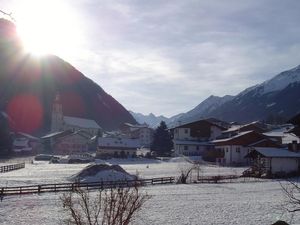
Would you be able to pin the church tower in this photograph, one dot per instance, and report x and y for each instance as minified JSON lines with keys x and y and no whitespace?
{"x":57,"y":115}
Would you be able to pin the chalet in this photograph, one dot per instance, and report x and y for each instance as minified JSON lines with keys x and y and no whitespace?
{"x":136,"y":131}
{"x":237,"y":147}
{"x":273,"y":161}
{"x":117,"y":147}
{"x":235,"y":129}
{"x":67,"y":142}
{"x":194,"y":138}
{"x":282,"y":137}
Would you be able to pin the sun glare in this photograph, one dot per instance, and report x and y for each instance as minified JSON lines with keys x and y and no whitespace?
{"x":47,"y":27}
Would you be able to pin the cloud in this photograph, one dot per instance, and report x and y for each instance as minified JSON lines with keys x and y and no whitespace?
{"x":167,"y":56}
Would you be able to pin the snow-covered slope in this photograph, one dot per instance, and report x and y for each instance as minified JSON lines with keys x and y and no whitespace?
{"x":208,"y":105}
{"x":151,"y":119}
{"x":277,"y":83}
{"x":202,"y":110}
{"x":277,"y":97}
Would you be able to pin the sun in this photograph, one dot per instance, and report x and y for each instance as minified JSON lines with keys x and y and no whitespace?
{"x":47,"y":27}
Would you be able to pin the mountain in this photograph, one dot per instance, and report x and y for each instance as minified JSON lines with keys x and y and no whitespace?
{"x":152,"y":120}
{"x":278,"y":98}
{"x":28,"y":86}
{"x":202,"y":110}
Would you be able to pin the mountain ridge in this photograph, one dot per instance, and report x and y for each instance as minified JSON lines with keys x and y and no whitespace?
{"x":28,"y":86}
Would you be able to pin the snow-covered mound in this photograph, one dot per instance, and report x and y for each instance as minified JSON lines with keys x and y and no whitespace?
{"x":102,"y":172}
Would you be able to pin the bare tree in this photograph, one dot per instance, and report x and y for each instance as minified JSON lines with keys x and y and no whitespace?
{"x":291,"y":190}
{"x":187,"y":169}
{"x":115,"y":206}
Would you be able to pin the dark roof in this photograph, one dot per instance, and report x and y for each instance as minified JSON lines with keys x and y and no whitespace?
{"x":272,"y":153}
{"x":208,"y":121}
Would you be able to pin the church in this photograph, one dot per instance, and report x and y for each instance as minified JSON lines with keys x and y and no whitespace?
{"x":59,"y":122}
{"x":68,"y":135}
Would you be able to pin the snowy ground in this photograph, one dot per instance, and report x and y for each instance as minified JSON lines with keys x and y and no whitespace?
{"x":230,"y":203}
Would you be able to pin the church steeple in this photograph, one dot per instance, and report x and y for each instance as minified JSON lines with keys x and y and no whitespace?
{"x":57,"y":115}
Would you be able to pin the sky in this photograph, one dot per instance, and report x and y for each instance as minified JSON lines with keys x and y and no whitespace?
{"x":165,"y":57}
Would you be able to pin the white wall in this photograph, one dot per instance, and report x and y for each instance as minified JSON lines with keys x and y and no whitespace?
{"x":190,"y":149}
{"x":284,"y":164}
{"x":182,"y":134}
{"x":234,"y":154}
{"x":118,"y":142}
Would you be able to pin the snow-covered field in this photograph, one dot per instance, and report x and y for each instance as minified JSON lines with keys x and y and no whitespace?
{"x":227,"y":203}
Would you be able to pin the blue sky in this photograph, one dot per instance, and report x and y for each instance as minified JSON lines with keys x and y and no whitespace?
{"x":165,"y":57}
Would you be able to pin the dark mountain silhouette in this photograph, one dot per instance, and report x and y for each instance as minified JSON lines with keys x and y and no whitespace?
{"x":28,"y":86}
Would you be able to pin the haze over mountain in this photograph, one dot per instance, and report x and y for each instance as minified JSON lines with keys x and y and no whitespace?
{"x":28,"y":86}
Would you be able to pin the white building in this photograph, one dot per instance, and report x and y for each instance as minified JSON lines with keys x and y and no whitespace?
{"x":26,"y":144}
{"x":194,"y":138}
{"x":237,"y":147}
{"x":117,"y":147}
{"x":59,"y":122}
{"x":136,"y":131}
{"x":283,"y":137}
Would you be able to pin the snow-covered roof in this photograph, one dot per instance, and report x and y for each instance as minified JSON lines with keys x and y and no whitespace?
{"x":81,"y":122}
{"x":277,"y":153}
{"x":57,"y":133}
{"x":28,"y":136}
{"x":137,"y":125}
{"x":286,"y":137}
{"x":183,"y":142}
{"x":232,"y":138}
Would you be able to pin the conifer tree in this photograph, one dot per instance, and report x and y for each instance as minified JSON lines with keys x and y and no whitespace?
{"x":162,"y":140}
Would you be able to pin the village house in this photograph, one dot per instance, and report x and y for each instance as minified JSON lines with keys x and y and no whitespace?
{"x":235,"y":129}
{"x":67,"y":142}
{"x":59,"y":122}
{"x":271,"y":162}
{"x":117,"y":147}
{"x":136,"y":131}
{"x":26,"y":144}
{"x":237,"y":147}
{"x":284,"y":138}
{"x":195,"y":138}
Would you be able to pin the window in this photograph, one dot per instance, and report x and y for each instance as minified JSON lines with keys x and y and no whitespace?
{"x":197,"y":147}
{"x":186,"y":131}
{"x":226,"y":149}
{"x":238,"y":150}
{"x":185,"y":147}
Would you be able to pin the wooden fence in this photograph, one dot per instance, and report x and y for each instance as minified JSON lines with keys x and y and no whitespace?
{"x":59,"y":187}
{"x":7,"y":168}
{"x":216,"y":179}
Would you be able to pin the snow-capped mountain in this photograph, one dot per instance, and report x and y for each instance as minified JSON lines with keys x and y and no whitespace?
{"x":207,"y":106}
{"x":152,"y":120}
{"x":202,"y":110}
{"x":277,"y":83}
{"x":279,"y":97}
